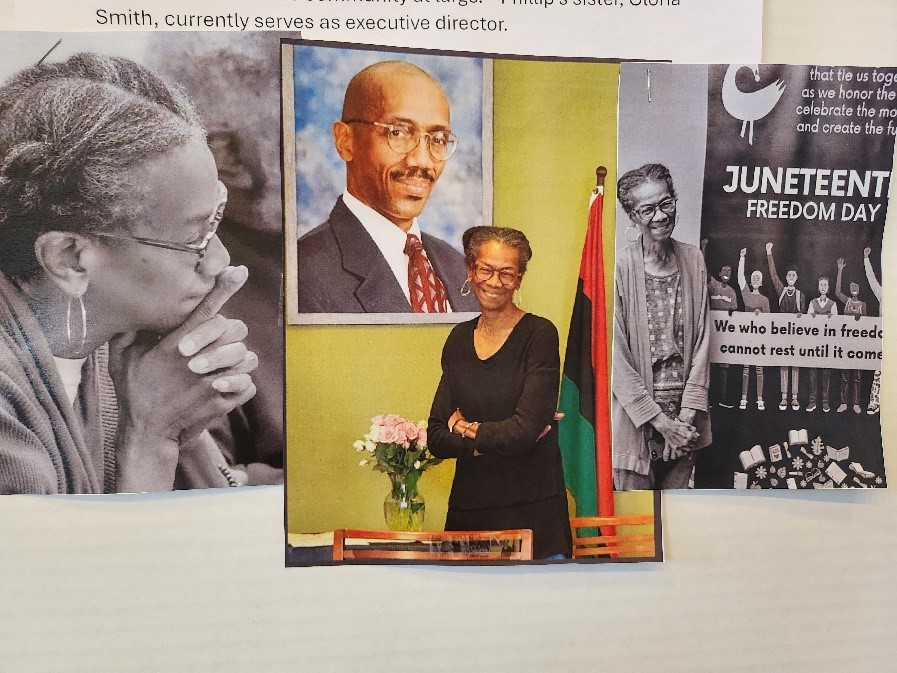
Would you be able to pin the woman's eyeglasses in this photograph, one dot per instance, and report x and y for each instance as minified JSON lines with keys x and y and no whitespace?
{"x":197,"y":247}
{"x":404,"y":138}
{"x":646,"y":213}
{"x":505,"y":276}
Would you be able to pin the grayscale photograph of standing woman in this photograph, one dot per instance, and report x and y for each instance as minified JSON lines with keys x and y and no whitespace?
{"x":660,"y":343}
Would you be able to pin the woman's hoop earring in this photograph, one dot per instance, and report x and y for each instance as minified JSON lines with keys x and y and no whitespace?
{"x":465,"y":287}
{"x":68,"y":320}
{"x":634,"y":228}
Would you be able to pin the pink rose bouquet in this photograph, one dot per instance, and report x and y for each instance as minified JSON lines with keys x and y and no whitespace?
{"x":398,"y":447}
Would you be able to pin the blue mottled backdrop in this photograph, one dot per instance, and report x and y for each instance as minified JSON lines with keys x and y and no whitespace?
{"x":320,"y":78}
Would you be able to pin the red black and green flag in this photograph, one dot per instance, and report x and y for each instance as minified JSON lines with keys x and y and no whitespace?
{"x":584,"y":432}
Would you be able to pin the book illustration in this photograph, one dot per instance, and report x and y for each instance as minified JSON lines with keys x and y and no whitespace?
{"x":826,"y":469}
{"x":838,"y":454}
{"x":866,"y":474}
{"x":835,"y":472}
{"x":752,"y":457}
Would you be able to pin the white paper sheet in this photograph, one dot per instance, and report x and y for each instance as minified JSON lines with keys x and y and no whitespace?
{"x":196,"y":581}
{"x":698,"y":31}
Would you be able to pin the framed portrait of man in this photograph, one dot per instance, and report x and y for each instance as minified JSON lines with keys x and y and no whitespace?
{"x":387,"y":161}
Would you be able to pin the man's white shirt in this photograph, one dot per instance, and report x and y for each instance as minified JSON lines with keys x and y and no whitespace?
{"x":388,"y":238}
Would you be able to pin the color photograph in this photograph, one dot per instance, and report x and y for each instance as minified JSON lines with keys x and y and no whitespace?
{"x":357,"y":210}
{"x":485,"y":442}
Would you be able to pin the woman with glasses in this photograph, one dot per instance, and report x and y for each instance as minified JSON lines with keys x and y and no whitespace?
{"x":660,"y":361}
{"x":113,"y":357}
{"x":495,"y":404}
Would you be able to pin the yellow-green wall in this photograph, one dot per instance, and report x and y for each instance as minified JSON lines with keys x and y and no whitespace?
{"x":553,"y":124}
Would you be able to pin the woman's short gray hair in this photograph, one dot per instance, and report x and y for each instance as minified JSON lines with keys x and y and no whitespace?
{"x":475,"y":237}
{"x":69,"y":134}
{"x":639,"y":176}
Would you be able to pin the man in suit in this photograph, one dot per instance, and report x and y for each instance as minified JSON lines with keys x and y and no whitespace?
{"x":370,"y":256}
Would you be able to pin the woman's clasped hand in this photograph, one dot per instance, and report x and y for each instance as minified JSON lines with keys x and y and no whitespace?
{"x":173,"y":386}
{"x":679,"y":437}
{"x":170,"y":388}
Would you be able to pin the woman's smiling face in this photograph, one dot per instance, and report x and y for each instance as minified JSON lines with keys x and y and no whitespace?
{"x":653,"y":193}
{"x":134,"y":286}
{"x":492,"y":293}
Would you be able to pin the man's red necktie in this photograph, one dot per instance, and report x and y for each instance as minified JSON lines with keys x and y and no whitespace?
{"x":427,"y":291}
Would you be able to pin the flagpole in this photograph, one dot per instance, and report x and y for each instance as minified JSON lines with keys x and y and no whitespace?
{"x":584,"y":434}
{"x":603,"y":457}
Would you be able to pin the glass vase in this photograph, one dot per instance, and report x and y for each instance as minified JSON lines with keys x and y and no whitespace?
{"x":404,"y":508}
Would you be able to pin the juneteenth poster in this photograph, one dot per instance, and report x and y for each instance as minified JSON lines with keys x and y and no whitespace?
{"x":781,"y":176}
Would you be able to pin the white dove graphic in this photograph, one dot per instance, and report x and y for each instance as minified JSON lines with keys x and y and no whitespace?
{"x":749,"y":106}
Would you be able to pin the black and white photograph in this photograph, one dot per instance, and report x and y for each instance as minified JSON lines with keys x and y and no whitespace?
{"x":140,"y":262}
{"x":659,"y":374}
{"x":788,"y":171}
{"x":660,"y":362}
{"x":391,"y":166}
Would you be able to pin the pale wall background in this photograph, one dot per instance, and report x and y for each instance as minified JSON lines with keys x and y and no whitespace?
{"x":753,"y":582}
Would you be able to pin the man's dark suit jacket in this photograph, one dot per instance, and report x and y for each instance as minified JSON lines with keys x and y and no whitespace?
{"x":341,"y":270}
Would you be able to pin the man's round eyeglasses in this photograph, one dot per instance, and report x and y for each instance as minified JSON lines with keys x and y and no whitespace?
{"x":506,"y":277}
{"x":198,"y":247}
{"x":646,"y":213}
{"x":404,"y":138}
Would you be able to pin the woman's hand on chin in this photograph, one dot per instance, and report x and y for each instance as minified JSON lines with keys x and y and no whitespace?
{"x":169,"y":389}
